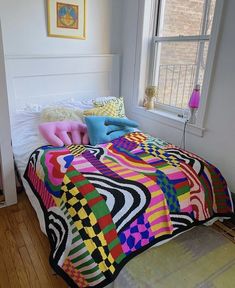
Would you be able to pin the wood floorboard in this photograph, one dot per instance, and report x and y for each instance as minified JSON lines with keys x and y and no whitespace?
{"x":24,"y":249}
{"x":17,"y":261}
{"x":31,"y":274}
{"x":6,"y":257}
{"x":11,"y":221}
{"x":4,"y":276}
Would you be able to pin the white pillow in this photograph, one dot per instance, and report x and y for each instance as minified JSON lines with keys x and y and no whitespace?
{"x":25,"y":136}
{"x":25,"y":123}
{"x":71,"y":103}
{"x":24,"y":130}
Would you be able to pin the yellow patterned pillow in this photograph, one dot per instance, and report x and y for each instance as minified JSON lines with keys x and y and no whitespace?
{"x":120,"y":108}
{"x":108,"y":109}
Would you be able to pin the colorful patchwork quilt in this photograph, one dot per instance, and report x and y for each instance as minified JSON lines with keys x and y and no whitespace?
{"x":105,"y":204}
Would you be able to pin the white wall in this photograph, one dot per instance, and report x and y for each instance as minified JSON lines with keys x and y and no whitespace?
{"x":25,"y":30}
{"x":217,"y":145}
{"x":24,"y":25}
{"x":6,"y":157}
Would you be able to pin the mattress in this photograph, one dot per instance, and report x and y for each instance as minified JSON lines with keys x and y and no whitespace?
{"x":22,"y":152}
{"x":104,"y":205}
{"x":26,"y":139}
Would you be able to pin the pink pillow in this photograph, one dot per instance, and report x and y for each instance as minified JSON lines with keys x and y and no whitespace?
{"x":56,"y":133}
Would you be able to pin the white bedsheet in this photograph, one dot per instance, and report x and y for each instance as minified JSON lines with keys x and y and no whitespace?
{"x":23,"y":146}
{"x":25,"y":139}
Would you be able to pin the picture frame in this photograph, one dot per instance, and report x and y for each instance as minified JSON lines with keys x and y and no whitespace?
{"x":67,"y":18}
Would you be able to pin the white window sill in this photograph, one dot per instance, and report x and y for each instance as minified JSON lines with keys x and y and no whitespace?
{"x":169,"y":119}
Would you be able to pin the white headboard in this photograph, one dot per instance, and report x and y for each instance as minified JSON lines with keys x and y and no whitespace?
{"x":46,"y":79}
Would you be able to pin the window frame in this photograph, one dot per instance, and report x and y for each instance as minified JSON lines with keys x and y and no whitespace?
{"x":143,"y":66}
{"x":201,"y":39}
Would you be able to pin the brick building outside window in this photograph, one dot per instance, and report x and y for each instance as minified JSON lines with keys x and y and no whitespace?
{"x":181,"y":42}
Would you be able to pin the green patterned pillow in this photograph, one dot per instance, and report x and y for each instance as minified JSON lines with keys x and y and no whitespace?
{"x":119,"y":103}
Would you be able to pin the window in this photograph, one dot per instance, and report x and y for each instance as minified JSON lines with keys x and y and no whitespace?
{"x":181,"y":41}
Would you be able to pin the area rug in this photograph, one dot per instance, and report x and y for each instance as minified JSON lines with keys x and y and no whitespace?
{"x":201,"y":258}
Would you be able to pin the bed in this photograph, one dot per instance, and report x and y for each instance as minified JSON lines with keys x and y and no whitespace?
{"x":102,"y":205}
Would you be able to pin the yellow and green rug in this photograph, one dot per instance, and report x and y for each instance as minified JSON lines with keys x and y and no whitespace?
{"x":201,"y":257}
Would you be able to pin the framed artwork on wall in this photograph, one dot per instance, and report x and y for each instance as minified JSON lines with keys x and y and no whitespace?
{"x":67,"y":18}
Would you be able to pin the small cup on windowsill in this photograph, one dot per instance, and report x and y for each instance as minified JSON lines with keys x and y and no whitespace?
{"x":151,"y":93}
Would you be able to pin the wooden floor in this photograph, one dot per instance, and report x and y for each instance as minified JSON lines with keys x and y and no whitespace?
{"x":24,"y":249}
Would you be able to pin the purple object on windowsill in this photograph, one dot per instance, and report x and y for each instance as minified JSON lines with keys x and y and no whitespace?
{"x":195,"y":98}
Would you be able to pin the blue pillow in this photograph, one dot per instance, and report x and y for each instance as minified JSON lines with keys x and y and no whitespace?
{"x":102,"y":129}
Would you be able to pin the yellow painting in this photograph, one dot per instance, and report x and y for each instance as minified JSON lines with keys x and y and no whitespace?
{"x":67,"y":18}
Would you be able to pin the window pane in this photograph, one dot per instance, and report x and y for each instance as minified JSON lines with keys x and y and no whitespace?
{"x":184,"y":17}
{"x":202,"y":63}
{"x":176,"y":70}
{"x":210,"y":16}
